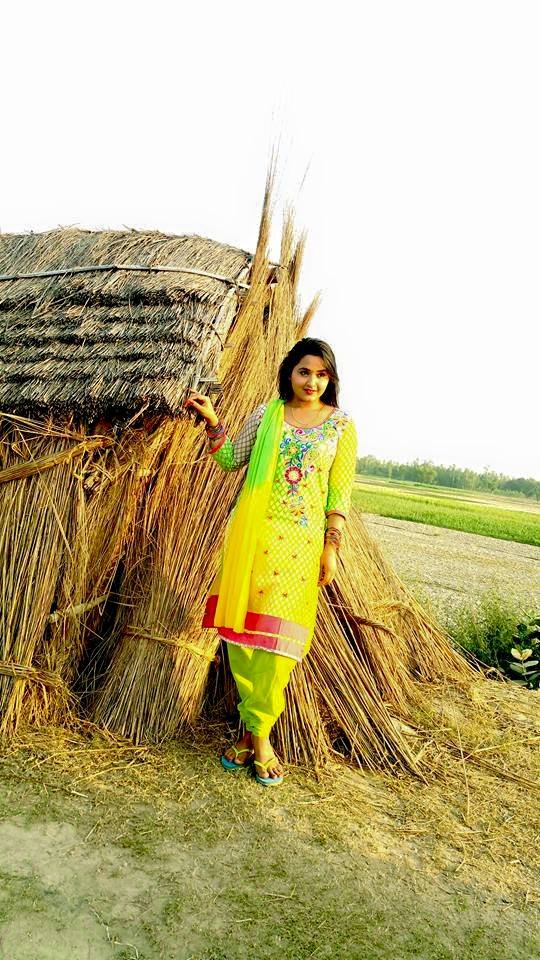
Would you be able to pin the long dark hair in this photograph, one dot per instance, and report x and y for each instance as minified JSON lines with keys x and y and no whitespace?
{"x":317,"y":348}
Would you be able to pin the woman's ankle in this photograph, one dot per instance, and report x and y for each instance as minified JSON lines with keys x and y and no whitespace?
{"x":261,"y":741}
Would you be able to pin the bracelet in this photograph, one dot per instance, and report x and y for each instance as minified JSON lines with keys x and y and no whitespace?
{"x":218,"y":445}
{"x":216,"y":431}
{"x":333,"y":535}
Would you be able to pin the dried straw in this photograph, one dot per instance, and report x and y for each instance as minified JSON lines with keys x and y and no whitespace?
{"x":109,"y":540}
{"x":365,"y":663}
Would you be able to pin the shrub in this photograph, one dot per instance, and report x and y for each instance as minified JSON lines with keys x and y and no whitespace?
{"x":489,"y":631}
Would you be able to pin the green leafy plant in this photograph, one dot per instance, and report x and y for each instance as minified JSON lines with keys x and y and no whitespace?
{"x":526,"y":639}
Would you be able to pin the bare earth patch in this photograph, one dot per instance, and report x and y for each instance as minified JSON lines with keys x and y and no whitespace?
{"x":454,"y":569}
{"x":164,"y":856}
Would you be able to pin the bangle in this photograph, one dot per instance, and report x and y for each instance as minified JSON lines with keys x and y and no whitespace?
{"x":215,"y":431}
{"x":333,"y":535}
{"x":218,"y":445}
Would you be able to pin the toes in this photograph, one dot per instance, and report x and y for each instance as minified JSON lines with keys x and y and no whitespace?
{"x":275,"y":772}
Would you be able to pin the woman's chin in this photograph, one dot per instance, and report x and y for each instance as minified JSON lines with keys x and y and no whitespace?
{"x":307,"y":397}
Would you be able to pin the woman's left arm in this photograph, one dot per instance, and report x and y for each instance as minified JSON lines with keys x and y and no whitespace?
{"x":338,"y":502}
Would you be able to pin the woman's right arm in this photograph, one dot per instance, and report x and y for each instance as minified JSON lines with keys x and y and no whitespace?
{"x":228,"y":454}
{"x":233,"y":454}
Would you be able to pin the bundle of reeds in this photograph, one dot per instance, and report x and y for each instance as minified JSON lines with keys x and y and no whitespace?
{"x":67,"y":505}
{"x":368,"y":653}
{"x":35,"y":504}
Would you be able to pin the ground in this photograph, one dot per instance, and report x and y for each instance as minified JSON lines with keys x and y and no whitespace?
{"x":117,"y":852}
{"x":453,"y":568}
{"x":112,"y":852}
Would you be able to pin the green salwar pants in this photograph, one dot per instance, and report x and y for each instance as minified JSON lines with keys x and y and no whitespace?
{"x":261,"y":678}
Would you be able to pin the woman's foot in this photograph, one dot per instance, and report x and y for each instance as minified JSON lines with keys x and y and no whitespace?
{"x":244,"y":744}
{"x":263,"y":752}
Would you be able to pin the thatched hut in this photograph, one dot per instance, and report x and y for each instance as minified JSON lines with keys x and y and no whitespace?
{"x":111,"y":512}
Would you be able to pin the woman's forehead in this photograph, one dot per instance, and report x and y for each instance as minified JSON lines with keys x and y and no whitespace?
{"x":309,"y":360}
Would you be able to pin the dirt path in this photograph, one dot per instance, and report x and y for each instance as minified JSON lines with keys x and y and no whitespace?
{"x":174,"y":859}
{"x":454,"y":569}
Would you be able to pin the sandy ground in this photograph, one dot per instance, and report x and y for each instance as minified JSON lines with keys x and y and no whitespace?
{"x":172,"y":859}
{"x":177,"y":860}
{"x":454,"y":569}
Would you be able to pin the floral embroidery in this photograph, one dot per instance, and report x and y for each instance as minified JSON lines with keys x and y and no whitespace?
{"x":299,"y":448}
{"x":293,"y":475}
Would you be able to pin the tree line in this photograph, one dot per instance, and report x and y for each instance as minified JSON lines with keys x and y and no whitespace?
{"x":427,"y":472}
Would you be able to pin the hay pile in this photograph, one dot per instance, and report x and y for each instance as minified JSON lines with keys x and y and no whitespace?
{"x":106,"y":556}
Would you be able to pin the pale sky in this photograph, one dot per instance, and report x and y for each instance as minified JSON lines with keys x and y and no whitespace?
{"x":418,"y":126}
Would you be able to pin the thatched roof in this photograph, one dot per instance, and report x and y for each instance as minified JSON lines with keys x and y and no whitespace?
{"x":108,"y":341}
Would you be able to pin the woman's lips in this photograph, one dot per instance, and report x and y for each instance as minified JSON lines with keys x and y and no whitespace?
{"x":307,"y":390}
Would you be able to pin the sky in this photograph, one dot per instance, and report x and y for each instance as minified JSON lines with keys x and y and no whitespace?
{"x":408,"y":144}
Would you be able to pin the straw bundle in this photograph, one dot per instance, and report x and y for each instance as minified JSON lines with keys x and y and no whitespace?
{"x":362,"y":665}
{"x":111,"y":525}
{"x":66,"y":512}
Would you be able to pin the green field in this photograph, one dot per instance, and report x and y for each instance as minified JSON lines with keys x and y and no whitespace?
{"x":465,"y":510}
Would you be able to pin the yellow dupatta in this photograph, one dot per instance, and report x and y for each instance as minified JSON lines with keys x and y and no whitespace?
{"x":243,"y":530}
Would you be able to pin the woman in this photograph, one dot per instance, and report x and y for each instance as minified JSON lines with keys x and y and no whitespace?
{"x":281,"y":539}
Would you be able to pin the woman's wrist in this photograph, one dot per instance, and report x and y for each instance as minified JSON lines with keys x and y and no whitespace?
{"x":332,"y":538}
{"x":214,"y":429}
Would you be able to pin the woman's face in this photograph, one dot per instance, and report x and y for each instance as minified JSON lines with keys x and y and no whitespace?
{"x":309,"y":379}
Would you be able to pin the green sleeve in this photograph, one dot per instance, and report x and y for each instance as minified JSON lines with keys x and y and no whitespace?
{"x":342,"y":472}
{"x":224,"y":455}
{"x":233,"y":454}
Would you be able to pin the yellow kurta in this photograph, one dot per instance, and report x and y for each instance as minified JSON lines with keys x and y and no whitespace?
{"x":314,"y":477}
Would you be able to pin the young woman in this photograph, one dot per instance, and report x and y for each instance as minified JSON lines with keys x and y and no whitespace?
{"x":281,"y":537}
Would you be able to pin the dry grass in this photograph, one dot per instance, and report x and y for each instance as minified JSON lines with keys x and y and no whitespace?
{"x":474,"y":821}
{"x":139,"y":520}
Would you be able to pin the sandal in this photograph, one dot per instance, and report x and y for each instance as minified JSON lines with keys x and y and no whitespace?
{"x":230,"y":764}
{"x":267,"y":781}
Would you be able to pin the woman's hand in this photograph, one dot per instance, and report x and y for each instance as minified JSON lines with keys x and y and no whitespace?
{"x":328,"y":565}
{"x":203,"y":405}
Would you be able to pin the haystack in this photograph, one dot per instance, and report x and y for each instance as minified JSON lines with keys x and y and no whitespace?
{"x":112,"y":513}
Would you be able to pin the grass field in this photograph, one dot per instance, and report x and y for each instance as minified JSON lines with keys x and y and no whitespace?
{"x":483,"y":513}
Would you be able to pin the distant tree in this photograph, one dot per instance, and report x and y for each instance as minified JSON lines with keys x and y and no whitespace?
{"x":447,"y":476}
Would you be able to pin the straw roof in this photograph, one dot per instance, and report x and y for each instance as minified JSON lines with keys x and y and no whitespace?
{"x":147,"y":320}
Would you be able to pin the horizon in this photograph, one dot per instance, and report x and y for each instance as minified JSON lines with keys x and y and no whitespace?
{"x":441,"y":466}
